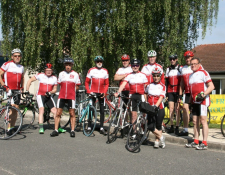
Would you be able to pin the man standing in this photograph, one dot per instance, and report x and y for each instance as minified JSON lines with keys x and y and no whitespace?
{"x":69,"y":82}
{"x":147,"y":68}
{"x":201,"y":86}
{"x":14,"y":81}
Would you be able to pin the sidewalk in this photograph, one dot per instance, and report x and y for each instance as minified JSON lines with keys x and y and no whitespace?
{"x":215,"y":138}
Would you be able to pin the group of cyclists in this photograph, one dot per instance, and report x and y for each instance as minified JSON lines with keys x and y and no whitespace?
{"x":190,"y":83}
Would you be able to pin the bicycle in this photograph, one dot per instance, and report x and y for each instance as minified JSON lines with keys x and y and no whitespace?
{"x":222,"y":126}
{"x":7,"y":121}
{"x":138,"y":132}
{"x":118,"y":121}
{"x":88,"y":116}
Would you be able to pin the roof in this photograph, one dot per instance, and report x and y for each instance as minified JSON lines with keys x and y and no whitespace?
{"x":212,"y":57}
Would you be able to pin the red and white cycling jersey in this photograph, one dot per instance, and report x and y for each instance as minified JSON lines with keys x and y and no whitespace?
{"x":185,"y":73}
{"x":13,"y":74}
{"x":137,"y":82}
{"x":197,"y":82}
{"x":147,"y":69}
{"x":154,"y":91}
{"x":174,"y":77}
{"x":97,"y":80}
{"x":68,"y":82}
{"x":124,"y":71}
{"x":46,"y":83}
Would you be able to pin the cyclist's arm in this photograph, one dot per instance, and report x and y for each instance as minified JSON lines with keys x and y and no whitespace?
{"x":122,"y":86}
{"x":87,"y":80}
{"x":1,"y":74}
{"x":118,"y":77}
{"x":29,"y":82}
{"x":159,"y":101}
{"x":54,"y":89}
{"x":77,"y":87}
{"x":210,"y":87}
{"x":22,"y":82}
{"x":181,"y":87}
{"x":146,"y":99}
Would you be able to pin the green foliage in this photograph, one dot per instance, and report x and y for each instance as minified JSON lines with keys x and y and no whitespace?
{"x":46,"y":30}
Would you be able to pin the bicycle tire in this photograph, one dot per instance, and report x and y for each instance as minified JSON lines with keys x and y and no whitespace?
{"x":28,"y":118}
{"x":136,"y":129}
{"x":64,"y":120}
{"x":222,"y":127}
{"x":114,"y":126}
{"x":4,"y":126}
{"x":93,"y":120}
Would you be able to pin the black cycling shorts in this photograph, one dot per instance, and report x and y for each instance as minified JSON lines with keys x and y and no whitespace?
{"x":187,"y":98}
{"x":16,"y":99}
{"x":61,"y":103}
{"x":135,"y":98}
{"x":42,"y":100}
{"x":156,"y":121}
{"x":173,"y":96}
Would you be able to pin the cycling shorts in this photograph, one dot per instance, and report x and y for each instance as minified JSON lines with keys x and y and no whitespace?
{"x":61,"y":103}
{"x":16,"y":99}
{"x":199,"y":110}
{"x":42,"y":100}
{"x":135,"y":98}
{"x":187,"y":98}
{"x":173,"y":97}
{"x":156,"y":121}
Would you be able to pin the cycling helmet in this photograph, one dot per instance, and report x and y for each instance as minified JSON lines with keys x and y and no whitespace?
{"x":99,"y":58}
{"x":156,"y":70}
{"x":125,"y":57}
{"x":152,"y":53}
{"x":135,"y":61}
{"x":16,"y":51}
{"x":188,"y":54}
{"x":68,"y":60}
{"x":173,"y":56}
{"x":48,"y":66}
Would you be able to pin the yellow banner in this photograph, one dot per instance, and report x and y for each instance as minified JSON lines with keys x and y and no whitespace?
{"x":217,"y":108}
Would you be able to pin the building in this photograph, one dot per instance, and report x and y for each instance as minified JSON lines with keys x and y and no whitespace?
{"x":212,"y":58}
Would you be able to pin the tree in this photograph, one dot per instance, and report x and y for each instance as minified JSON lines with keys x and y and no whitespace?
{"x":46,"y":30}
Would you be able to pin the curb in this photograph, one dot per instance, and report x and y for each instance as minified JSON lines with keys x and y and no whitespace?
{"x":182,"y":141}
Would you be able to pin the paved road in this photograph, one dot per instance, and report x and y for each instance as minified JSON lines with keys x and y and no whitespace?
{"x":31,"y":153}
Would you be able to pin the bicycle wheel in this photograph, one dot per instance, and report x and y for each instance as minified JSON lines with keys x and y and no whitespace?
{"x":65,"y":119}
{"x":28,"y":118}
{"x":93,"y":119}
{"x":107,"y":111}
{"x":114,"y":126}
{"x":223,"y":126}
{"x":6,"y":121}
{"x":137,"y":134}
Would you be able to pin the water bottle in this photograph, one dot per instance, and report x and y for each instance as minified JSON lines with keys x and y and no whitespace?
{"x":82,"y":112}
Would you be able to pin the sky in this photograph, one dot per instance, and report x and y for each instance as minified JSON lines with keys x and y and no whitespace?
{"x":216,"y":35}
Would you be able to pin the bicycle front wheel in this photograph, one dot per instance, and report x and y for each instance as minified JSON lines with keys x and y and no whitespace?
{"x":65,"y":119}
{"x":89,"y":120}
{"x":223,"y":126}
{"x":28,"y":118}
{"x":10,"y":122}
{"x":137,"y":134}
{"x":114,"y":126}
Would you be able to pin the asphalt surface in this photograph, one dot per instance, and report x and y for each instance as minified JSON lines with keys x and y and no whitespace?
{"x":32,"y":153}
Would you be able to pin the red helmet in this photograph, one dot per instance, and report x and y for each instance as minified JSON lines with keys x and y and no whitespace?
{"x":188,"y":54}
{"x":48,"y":66}
{"x":125,"y":57}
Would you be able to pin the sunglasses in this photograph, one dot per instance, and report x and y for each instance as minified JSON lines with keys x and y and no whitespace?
{"x":135,"y":65}
{"x":194,"y":64}
{"x":98,"y":61}
{"x":156,"y":76}
{"x":172,"y":59}
{"x":15,"y":56}
{"x":124,"y":60}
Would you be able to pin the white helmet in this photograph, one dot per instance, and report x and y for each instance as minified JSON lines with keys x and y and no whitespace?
{"x":152,"y":53}
{"x":16,"y":51}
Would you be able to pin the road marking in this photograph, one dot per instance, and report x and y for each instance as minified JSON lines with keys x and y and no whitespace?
{"x":7,"y":171}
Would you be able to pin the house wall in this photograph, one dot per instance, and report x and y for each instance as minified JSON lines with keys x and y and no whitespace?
{"x":219,"y":83}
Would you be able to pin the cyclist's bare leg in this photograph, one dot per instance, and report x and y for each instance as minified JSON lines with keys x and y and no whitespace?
{"x":134,"y":116}
{"x":171,"y":108}
{"x":204,"y":127}
{"x":158,"y":134}
{"x":57,"y":118}
{"x":54,"y":111}
{"x":40,"y":115}
{"x":13,"y":116}
{"x":177,"y":114}
{"x":196,"y":126}
{"x":72,"y":119}
{"x":186,"y":114}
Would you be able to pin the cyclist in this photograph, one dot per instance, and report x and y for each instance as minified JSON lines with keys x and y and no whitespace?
{"x":97,"y":81}
{"x":137,"y":82}
{"x":173,"y":75}
{"x":147,"y":68}
{"x":47,"y":86}
{"x":155,"y":92}
{"x":184,"y":86}
{"x":201,"y":86}
{"x":13,"y":82}
{"x":69,"y":82}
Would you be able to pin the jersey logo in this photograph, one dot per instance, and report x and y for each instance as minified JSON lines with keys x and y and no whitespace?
{"x":71,"y":76}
